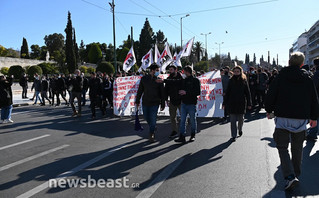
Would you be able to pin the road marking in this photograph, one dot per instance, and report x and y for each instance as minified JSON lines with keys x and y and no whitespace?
{"x":159,"y":180}
{"x":71,"y":172}
{"x":22,"y":112}
{"x":26,"y":141}
{"x":32,"y":157}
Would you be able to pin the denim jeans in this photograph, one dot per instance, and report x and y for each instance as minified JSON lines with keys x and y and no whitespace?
{"x":313,"y":132}
{"x":150,"y":115}
{"x":37,"y":96}
{"x":188,"y":109}
{"x":6,"y":112}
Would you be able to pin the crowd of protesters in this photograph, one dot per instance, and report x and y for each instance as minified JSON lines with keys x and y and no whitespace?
{"x":251,"y":90}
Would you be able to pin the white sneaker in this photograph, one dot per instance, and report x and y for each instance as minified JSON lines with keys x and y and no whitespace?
{"x":9,"y":120}
{"x":5,"y":121}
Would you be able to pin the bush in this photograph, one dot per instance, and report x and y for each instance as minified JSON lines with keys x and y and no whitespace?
{"x":4,"y":70}
{"x":16,"y":71}
{"x":83,"y":69}
{"x":90,"y":70}
{"x":105,"y":67}
{"x":34,"y":70}
{"x":48,"y":68}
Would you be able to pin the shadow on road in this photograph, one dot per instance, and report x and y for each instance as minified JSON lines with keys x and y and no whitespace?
{"x":309,"y":179}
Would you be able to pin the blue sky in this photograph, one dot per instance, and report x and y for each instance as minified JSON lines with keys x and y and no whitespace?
{"x":258,"y":28}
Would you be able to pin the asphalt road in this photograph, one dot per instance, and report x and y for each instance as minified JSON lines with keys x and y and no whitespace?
{"x":45,"y":143}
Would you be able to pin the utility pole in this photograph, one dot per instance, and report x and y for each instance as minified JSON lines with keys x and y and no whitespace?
{"x":219,"y":44}
{"x":182,"y":29}
{"x":132,"y":41}
{"x":206,"y":53}
{"x":114,"y":43}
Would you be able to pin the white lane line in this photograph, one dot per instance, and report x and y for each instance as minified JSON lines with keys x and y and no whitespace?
{"x":159,"y":180}
{"x":71,"y":172}
{"x":32,"y":157}
{"x":26,"y":141}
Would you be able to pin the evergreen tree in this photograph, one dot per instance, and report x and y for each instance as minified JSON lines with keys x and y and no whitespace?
{"x":69,"y":47}
{"x":248,"y":59}
{"x":35,"y":52}
{"x":24,"y":49}
{"x":95,"y":53}
{"x":274,"y":62}
{"x":82,"y":52}
{"x":146,"y":40}
{"x":76,"y":48}
{"x":160,"y":39}
{"x":229,"y":58}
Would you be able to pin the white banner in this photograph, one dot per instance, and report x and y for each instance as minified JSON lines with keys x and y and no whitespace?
{"x":209,"y":102}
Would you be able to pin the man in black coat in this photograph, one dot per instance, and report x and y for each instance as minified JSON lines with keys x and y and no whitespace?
{"x":292,"y":97}
{"x":24,"y":84}
{"x":44,"y":90}
{"x":6,"y":99}
{"x":77,"y":85}
{"x":172,"y":86}
{"x":60,"y":87}
{"x":96,"y":93}
{"x":153,"y":96}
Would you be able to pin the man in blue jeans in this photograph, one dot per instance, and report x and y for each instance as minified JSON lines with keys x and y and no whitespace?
{"x":189,"y":92}
{"x":153,"y":96}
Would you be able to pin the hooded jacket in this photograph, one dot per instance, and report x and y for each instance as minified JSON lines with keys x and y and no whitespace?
{"x":292,"y":94}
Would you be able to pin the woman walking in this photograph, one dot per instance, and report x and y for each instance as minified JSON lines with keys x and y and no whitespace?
{"x":237,"y":98}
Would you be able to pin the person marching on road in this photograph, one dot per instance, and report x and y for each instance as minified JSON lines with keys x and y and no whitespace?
{"x":84,"y":89}
{"x":236,"y":98}
{"x":6,"y":99}
{"x":77,"y":85}
{"x":172,"y":86}
{"x":37,"y":89}
{"x":95,"y":93}
{"x":153,"y":96}
{"x":24,"y":84}
{"x":293,"y":98}
{"x":44,"y":90}
{"x":189,"y":92}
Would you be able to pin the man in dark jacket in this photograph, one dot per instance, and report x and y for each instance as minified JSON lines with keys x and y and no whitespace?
{"x":107,"y":91}
{"x":37,"y":88}
{"x":252,"y":81}
{"x":24,"y":84}
{"x":95,"y":93}
{"x":60,"y":87}
{"x":77,"y":85}
{"x":153,"y":96}
{"x":292,"y":97}
{"x":6,"y":99}
{"x":172,"y":86}
{"x":189,"y":93}
{"x":262,"y":79}
{"x":44,"y":90}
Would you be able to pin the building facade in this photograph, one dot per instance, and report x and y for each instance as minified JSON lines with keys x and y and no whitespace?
{"x":313,"y":43}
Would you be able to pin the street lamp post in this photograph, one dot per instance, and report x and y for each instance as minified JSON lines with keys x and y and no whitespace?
{"x":182,"y":29}
{"x":206,"y":53}
{"x":113,"y":10}
{"x":220,"y":58}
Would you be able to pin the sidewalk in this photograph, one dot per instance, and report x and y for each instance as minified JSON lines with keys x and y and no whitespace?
{"x":17,"y":95}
